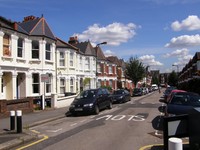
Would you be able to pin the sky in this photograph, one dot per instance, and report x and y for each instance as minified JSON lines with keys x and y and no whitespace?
{"x":162,"y":34}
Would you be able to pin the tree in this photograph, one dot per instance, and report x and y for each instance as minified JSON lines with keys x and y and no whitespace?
{"x":173,"y":79}
{"x":135,"y":70}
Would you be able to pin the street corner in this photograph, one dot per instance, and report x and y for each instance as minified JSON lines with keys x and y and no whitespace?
{"x":10,"y":139}
{"x":153,"y":147}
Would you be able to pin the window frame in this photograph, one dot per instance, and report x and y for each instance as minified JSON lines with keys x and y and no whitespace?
{"x":35,"y":53}
{"x":37,"y":84}
{"x":7,"y":45}
{"x":20,"y":48}
{"x":48,"y":52}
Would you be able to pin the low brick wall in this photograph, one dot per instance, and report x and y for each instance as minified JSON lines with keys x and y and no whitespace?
{"x":26,"y":105}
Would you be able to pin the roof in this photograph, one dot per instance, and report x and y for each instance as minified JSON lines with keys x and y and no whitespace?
{"x":62,"y":44}
{"x":100,"y":54}
{"x":35,"y":26}
{"x":114,"y":60}
{"x":86,"y":48}
{"x":6,"y":23}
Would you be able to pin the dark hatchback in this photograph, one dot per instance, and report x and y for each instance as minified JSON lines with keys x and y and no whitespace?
{"x":91,"y":101}
{"x":182,"y":103}
{"x":121,"y":96}
{"x":137,"y":92}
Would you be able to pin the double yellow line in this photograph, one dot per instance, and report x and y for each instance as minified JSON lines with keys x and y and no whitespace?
{"x":36,"y":142}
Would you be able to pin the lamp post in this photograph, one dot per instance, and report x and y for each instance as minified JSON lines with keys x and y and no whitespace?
{"x":177,"y":67}
{"x":102,"y":43}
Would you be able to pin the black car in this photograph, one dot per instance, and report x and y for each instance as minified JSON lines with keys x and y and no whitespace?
{"x":182,"y":103}
{"x":138,"y":92}
{"x":121,"y":96}
{"x":91,"y":101}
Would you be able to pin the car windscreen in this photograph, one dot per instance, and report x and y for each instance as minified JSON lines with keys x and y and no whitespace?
{"x":87,"y":94}
{"x":119,"y":92}
{"x":186,"y":99}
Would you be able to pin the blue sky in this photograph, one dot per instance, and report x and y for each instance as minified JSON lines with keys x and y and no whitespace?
{"x":158,"y":32}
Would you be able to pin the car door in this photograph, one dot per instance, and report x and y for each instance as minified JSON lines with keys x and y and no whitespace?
{"x":106,"y":97}
{"x":100,"y":99}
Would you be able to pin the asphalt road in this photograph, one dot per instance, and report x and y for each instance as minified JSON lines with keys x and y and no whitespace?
{"x":128,"y":126}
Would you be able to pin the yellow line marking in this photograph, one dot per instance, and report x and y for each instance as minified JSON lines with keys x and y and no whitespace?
{"x":36,"y":142}
{"x":149,"y":146}
{"x":35,"y":131}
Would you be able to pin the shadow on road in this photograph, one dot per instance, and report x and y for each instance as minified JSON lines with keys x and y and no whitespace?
{"x":157,"y":148}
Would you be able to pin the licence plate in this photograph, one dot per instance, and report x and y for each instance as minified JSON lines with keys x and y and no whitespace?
{"x":79,"y":109}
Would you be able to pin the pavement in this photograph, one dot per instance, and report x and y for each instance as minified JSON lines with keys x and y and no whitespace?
{"x":10,"y":138}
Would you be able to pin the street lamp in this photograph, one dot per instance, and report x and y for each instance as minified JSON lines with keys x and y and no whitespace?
{"x":177,"y":67}
{"x":102,"y":43}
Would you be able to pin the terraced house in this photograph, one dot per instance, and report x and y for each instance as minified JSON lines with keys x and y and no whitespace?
{"x":27,"y":51}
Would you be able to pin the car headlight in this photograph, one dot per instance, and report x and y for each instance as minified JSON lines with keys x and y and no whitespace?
{"x":88,"y":105}
{"x":121,"y":97}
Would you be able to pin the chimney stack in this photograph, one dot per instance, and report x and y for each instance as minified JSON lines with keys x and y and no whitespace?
{"x":73,"y":40}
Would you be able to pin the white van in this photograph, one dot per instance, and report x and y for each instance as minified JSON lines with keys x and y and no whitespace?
{"x":154,"y":86}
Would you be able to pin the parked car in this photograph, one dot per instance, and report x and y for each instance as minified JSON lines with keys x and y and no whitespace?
{"x":182,"y":103}
{"x":172,"y":93}
{"x":91,"y":101}
{"x":121,"y":96}
{"x":137,"y":92}
{"x":167,"y":92}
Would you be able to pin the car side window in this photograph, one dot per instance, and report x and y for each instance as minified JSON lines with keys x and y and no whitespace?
{"x":100,"y":92}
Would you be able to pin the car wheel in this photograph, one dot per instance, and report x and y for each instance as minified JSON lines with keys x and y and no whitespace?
{"x":110,"y":105}
{"x":96,"y":111}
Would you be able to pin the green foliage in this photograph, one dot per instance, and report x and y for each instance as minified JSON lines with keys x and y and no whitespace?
{"x":135,"y":70}
{"x":86,"y":81}
{"x":155,"y":80}
{"x":107,"y":87}
{"x":173,"y":79}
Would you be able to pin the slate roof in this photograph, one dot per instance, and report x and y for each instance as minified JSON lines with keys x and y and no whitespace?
{"x":100,"y":54}
{"x":36,"y":26}
{"x":86,"y":48}
{"x":114,"y":60}
{"x":62,"y":44}
{"x":6,"y":23}
{"x":31,"y":25}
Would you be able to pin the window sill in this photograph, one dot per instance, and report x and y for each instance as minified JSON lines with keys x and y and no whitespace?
{"x":49,"y":62}
{"x":7,"y":58}
{"x":21,"y":60}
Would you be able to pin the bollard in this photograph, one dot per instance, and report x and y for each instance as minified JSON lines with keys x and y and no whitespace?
{"x":175,"y":144}
{"x":12,"y":120}
{"x":19,"y":121}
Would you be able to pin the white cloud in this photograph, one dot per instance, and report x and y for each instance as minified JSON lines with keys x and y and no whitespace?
{"x":184,"y":41}
{"x":177,"y":53}
{"x":113,"y":34}
{"x":182,"y":55}
{"x":190,"y":23}
{"x":109,"y":53}
{"x":149,"y":60}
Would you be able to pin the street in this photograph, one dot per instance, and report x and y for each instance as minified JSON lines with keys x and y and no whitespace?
{"x":126,"y":126}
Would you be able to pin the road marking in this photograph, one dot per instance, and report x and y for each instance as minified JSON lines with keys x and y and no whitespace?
{"x":54,"y":130}
{"x":138,"y":117}
{"x":36,"y":142}
{"x":83,"y":120}
{"x":149,"y":146}
{"x":73,"y":124}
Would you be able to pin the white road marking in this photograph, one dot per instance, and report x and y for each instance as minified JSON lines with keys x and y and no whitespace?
{"x":54,"y":131}
{"x":73,"y":124}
